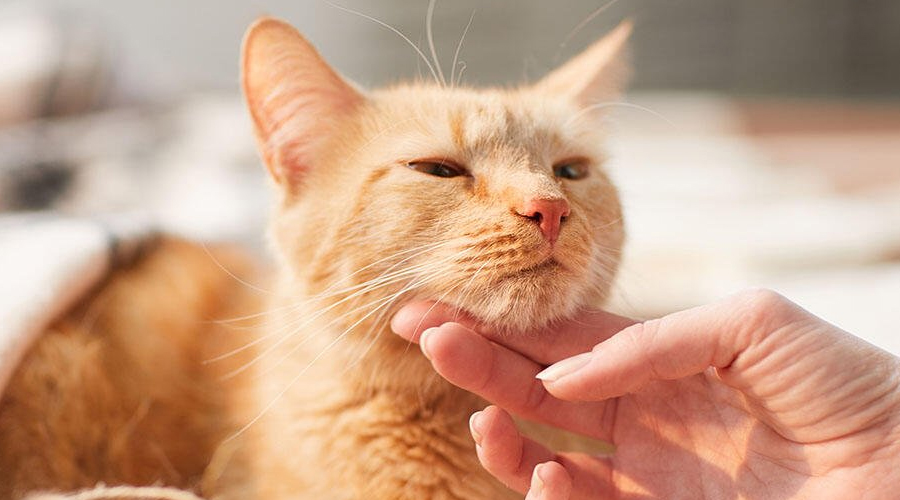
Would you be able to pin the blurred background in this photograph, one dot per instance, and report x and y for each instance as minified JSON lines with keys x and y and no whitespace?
{"x":760,"y":145}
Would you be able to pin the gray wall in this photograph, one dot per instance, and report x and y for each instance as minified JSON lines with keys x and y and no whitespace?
{"x":796,"y":47}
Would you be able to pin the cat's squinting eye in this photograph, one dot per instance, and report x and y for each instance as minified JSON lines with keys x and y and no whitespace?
{"x":571,"y":169}
{"x":437,"y":168}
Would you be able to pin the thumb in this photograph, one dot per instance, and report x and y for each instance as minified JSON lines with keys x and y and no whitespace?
{"x":808,"y":379}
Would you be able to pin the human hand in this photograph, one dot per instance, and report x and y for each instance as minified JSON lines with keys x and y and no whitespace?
{"x":749,"y":397}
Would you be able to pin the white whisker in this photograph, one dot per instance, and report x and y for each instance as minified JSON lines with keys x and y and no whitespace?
{"x":468,"y":289}
{"x":304,"y":321}
{"x":418,"y":251}
{"x":396,"y":296}
{"x":599,"y":105}
{"x":439,"y":299}
{"x":384,"y":309}
{"x":459,"y":45}
{"x":229,"y":273}
{"x":381,"y":280}
{"x":414,"y":284}
{"x":581,"y":25}
{"x":378,"y":303}
{"x":462,"y":70}
{"x":428,"y":33}
{"x":395,"y":30}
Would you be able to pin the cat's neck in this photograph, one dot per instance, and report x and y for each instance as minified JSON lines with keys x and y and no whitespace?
{"x":349,"y":346}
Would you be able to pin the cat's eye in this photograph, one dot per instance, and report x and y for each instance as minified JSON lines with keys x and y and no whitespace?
{"x":437,"y":168}
{"x":571,"y":169}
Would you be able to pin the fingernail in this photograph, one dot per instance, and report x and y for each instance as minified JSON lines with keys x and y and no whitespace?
{"x":475,"y":427}
{"x":423,"y":341}
{"x":395,"y":324}
{"x":565,"y":367}
{"x":537,"y":482}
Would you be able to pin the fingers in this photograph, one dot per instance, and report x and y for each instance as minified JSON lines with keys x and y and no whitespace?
{"x":549,"y":481}
{"x":672,"y":347}
{"x":505,"y":453}
{"x":506,"y":378}
{"x":525,"y":465}
{"x":551,"y":344}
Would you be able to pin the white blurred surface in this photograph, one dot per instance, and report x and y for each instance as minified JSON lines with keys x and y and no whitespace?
{"x":709,"y":212}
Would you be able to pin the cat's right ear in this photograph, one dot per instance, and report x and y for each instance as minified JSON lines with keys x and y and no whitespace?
{"x":295,"y":98}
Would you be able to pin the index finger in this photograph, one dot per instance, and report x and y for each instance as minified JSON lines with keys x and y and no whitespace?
{"x":546,"y":345}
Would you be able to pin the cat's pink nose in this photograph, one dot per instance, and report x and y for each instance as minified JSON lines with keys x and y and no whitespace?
{"x":548,"y":214}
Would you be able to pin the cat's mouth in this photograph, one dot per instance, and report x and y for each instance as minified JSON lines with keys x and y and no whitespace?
{"x":521,"y":299}
{"x":547,"y":265}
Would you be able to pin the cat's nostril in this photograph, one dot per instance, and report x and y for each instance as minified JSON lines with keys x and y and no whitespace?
{"x":549,"y":214}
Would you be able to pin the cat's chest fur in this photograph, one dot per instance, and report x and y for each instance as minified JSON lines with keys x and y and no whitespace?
{"x":346,"y":418}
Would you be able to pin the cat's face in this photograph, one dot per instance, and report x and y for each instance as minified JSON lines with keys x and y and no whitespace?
{"x":492,"y":200}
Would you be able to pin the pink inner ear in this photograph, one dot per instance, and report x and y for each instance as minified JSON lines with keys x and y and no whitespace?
{"x":290,"y":130}
{"x":295,"y":98}
{"x":301,"y":121}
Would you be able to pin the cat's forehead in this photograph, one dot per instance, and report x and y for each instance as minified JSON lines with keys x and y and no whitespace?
{"x":476,"y":121}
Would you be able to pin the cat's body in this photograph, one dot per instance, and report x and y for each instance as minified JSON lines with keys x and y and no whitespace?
{"x":116,"y":391}
{"x":494,"y":201}
{"x":103,"y":397}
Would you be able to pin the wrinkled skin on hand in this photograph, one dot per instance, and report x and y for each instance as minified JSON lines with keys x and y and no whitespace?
{"x":749,"y":397}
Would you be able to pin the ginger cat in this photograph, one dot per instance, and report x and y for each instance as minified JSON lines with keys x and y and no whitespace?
{"x":494,"y":200}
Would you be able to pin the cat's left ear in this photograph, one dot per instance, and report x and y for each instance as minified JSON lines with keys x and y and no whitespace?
{"x":597,"y":74}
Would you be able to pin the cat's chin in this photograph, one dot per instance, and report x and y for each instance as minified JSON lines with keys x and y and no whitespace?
{"x":520,"y":318}
{"x":525,"y":300}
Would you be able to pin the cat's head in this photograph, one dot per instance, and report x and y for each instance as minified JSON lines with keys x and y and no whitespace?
{"x":494,"y":200}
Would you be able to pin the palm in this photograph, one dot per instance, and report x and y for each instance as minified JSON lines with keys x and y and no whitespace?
{"x":696,"y":438}
{"x":690,"y":439}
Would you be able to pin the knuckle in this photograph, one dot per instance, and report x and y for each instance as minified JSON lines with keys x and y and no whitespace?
{"x":762,"y":302}
{"x":651,"y":331}
{"x":486,"y":379}
{"x":642,"y":338}
{"x":643,"y":335}
{"x":535,"y":398}
{"x":479,"y":376}
{"x":762,"y":297}
{"x":638,"y":334}
{"x":762,"y":310}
